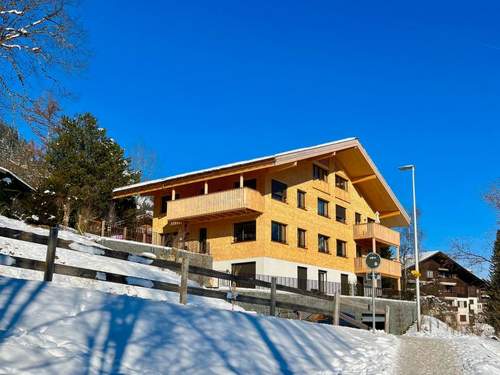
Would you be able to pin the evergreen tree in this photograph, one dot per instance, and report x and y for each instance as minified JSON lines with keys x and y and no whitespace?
{"x":84,"y":166}
{"x":493,"y":304}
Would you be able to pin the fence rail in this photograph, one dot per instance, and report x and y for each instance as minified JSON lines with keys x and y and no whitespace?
{"x":50,"y":266}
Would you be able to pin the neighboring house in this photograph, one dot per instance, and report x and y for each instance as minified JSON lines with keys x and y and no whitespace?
{"x":445,"y":278}
{"x":308,"y":215}
{"x":12,"y":188}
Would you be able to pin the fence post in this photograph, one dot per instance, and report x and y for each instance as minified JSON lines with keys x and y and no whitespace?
{"x":103,"y":228}
{"x":124,"y":233}
{"x":184,"y":280}
{"x":144,"y":236}
{"x":336,"y":309}
{"x":272,"y":308}
{"x":387,"y":318}
{"x":51,"y":254}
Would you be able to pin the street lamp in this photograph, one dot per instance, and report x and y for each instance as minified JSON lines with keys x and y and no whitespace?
{"x":415,"y":238}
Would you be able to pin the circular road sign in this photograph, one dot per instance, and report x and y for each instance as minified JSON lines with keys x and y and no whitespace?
{"x":372,"y":260}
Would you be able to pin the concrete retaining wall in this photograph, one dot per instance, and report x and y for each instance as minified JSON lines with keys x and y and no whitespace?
{"x":161,"y":252}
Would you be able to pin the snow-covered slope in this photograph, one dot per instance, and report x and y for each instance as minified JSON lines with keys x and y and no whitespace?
{"x":46,"y":329}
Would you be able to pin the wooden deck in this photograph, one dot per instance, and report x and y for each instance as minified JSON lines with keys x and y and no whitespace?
{"x":387,"y":267}
{"x":379,"y":232}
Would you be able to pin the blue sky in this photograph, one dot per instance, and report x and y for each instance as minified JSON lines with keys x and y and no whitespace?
{"x":206,"y":83}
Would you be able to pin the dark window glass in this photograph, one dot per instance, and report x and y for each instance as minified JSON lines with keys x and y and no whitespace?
{"x":302,"y":278}
{"x":322,"y":207}
{"x":341,"y":248}
{"x":340,"y":214}
{"x":301,"y":199}
{"x":278,"y":232}
{"x":357,"y":218}
{"x":370,"y":220}
{"x":164,"y":203}
{"x":278,"y":190}
{"x":245,"y":231}
{"x":319,"y":173}
{"x":322,"y":281}
{"x":340,"y":182}
{"x":323,"y":243}
{"x":301,"y":238}
{"x":252,"y":184}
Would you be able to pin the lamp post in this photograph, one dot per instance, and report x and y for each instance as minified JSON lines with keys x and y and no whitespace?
{"x":415,"y":238}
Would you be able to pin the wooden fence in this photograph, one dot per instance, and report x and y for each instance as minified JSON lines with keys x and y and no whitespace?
{"x":49,"y":267}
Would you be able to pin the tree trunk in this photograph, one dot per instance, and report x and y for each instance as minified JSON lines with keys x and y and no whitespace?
{"x":66,"y":213}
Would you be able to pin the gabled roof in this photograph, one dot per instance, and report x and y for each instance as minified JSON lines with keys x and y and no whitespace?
{"x":349,"y":152}
{"x":441,"y":255}
{"x":5,"y":173}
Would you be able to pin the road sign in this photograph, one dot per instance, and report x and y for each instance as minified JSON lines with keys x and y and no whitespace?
{"x":415,"y":274}
{"x":371,"y":275}
{"x":372,"y":260}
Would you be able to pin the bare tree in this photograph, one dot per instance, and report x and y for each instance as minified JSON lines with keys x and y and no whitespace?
{"x":39,"y":40}
{"x":143,"y":160}
{"x":43,"y":116}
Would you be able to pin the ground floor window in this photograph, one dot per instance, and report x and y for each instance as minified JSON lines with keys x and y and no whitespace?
{"x":246,"y":270}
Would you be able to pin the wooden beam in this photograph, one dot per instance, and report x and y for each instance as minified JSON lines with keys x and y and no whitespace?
{"x":385,"y":215}
{"x":285,"y":166}
{"x":364,"y":178}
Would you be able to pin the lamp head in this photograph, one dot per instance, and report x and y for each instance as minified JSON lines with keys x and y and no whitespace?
{"x":406,"y":167}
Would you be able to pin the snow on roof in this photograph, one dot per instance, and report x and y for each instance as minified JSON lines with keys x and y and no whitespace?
{"x":422,"y":256}
{"x":5,"y":170}
{"x":224,"y":166}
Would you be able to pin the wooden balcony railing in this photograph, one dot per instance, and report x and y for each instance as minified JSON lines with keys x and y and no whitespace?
{"x":220,"y":204}
{"x":387,"y":267}
{"x":377,"y":231}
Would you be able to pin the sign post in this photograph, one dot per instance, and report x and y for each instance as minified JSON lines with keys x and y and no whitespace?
{"x":373,"y":262}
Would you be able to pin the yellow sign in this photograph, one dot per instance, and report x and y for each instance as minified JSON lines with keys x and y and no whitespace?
{"x":415,"y":274}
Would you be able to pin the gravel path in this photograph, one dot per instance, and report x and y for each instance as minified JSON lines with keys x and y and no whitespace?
{"x":427,"y":356}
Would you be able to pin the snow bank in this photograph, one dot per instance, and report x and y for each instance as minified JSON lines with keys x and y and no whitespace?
{"x":45,"y":329}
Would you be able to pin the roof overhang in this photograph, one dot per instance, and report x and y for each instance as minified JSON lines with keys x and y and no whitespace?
{"x":348,"y":152}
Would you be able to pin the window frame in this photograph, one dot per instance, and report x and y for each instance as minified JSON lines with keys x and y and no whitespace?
{"x":325,"y":214}
{"x":283,"y":196}
{"x":344,"y":221}
{"x":357,"y":216}
{"x":320,"y":173}
{"x":304,"y":233}
{"x":326,"y":240}
{"x":301,"y":199}
{"x":341,"y":182}
{"x":344,"y":248}
{"x":282,"y":232}
{"x":242,"y":223}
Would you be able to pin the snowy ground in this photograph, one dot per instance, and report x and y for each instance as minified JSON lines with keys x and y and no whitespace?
{"x":46,"y":329}
{"x":448,"y":351}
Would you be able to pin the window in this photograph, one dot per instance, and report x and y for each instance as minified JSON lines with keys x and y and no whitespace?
{"x":278,"y":190}
{"x":463,"y":318}
{"x":301,"y":238}
{"x":340,"y":182}
{"x":370,"y":220}
{"x":341,"y":248}
{"x":340,"y":213}
{"x":245,"y":231}
{"x":164,"y":203}
{"x":323,"y":243}
{"x":302,"y":278}
{"x":465,"y":303}
{"x":430,"y":274}
{"x":278,"y":232}
{"x":322,"y":207}
{"x":319,"y":173}
{"x":357,"y":218}
{"x":322,"y":281}
{"x":471,"y":302}
{"x":301,"y":199}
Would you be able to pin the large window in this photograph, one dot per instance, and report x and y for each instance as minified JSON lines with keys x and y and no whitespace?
{"x":245,"y":231}
{"x":301,"y":238}
{"x":301,"y":199}
{"x":323,"y":243}
{"x":278,"y":232}
{"x":341,"y":248}
{"x":340,"y":214}
{"x":340,"y":182}
{"x":319,"y":173}
{"x":322,"y":207}
{"x":278,"y":190}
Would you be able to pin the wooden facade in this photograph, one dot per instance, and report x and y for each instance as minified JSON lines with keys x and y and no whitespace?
{"x":331,"y":195}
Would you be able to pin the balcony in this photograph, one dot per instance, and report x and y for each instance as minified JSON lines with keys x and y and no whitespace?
{"x":222,"y":204}
{"x":390,"y":268}
{"x":381,"y":234}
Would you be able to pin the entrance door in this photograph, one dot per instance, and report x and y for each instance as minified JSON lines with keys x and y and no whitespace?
{"x":246,"y":270}
{"x":203,"y":240}
{"x":302,"y":278}
{"x":344,"y":284}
